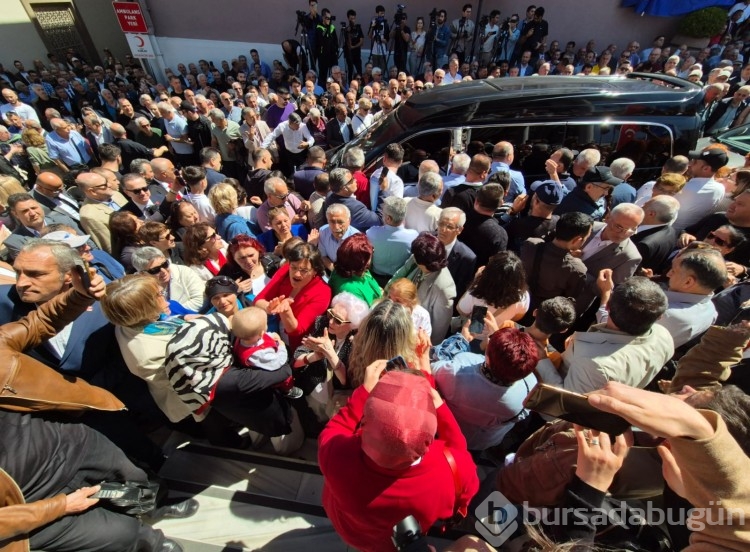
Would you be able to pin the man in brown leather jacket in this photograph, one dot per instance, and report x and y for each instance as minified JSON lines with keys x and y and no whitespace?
{"x":50,"y":469}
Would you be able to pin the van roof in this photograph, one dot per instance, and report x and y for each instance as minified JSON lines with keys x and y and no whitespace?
{"x":551,"y":97}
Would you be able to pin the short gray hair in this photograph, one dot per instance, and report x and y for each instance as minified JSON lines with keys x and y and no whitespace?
{"x":354,"y":158}
{"x":461,"y":162}
{"x":269,"y":186}
{"x":139,"y":166}
{"x":622,"y":168}
{"x":452,"y":212}
{"x":395,"y":207}
{"x":356,"y":308}
{"x":144,"y":256}
{"x":665,"y":208}
{"x":589,"y":156}
{"x":65,"y":256}
{"x":216,"y":113}
{"x":338,"y":208}
{"x":338,"y":179}
{"x":627,"y":209}
{"x":430,"y":184}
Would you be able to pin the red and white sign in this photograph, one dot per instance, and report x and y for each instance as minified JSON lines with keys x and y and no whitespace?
{"x":130,"y":17}
{"x":140,"y":45}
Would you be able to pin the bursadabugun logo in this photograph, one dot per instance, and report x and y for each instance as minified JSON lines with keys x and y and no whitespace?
{"x":497,"y":519}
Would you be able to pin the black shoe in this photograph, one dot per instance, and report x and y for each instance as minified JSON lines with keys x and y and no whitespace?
{"x":180,"y":510}
{"x":171,"y":546}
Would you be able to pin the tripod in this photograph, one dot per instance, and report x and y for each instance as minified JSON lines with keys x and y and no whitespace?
{"x":378,"y":30}
{"x":304,"y":45}
{"x":429,"y":45}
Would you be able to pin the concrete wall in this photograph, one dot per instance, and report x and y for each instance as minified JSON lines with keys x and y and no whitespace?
{"x":18,"y":36}
{"x":238,"y":25}
{"x":101,"y":23}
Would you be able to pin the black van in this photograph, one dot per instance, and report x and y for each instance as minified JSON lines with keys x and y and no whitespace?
{"x":643,"y":116}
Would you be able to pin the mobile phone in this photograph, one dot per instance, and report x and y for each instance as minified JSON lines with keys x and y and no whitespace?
{"x":573,"y":407}
{"x":384,"y":174}
{"x":476,"y":326}
{"x":83,"y":272}
{"x":396,"y":363}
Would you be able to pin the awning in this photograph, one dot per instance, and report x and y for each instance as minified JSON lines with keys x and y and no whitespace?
{"x":667,"y":8}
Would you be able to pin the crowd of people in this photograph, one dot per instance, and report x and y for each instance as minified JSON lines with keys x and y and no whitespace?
{"x":256,"y":297}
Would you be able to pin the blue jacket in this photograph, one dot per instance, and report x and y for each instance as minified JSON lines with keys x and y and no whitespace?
{"x":362,"y":218}
{"x":230,"y":225}
{"x":106,"y":266}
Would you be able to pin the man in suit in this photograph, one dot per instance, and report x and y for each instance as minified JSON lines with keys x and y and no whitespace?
{"x":656,"y":237}
{"x":211,"y":161}
{"x":484,"y":235}
{"x":101,"y":201}
{"x":31,"y":220}
{"x":48,"y":191}
{"x":461,"y":260}
{"x":339,"y":129}
{"x":343,"y":185}
{"x":610,"y":246}
{"x":142,"y":202}
{"x":130,"y":149}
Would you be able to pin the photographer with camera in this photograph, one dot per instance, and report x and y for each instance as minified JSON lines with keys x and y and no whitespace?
{"x":438,"y":40}
{"x":379,"y":34}
{"x":327,"y":44}
{"x":509,"y":34}
{"x":354,"y":38}
{"x":490,"y":36}
{"x":309,"y":23}
{"x":401,"y":38}
{"x":462,"y":31}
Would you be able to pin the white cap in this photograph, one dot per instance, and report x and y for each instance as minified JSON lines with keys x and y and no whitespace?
{"x":73,"y":240}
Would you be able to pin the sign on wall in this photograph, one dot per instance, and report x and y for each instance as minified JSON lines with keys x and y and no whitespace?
{"x":140,"y":45}
{"x":130,"y":17}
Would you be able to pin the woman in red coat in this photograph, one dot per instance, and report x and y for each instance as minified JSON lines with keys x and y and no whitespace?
{"x":297,"y":293}
{"x":381,"y":462}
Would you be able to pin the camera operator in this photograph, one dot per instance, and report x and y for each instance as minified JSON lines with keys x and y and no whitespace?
{"x":401,"y":39}
{"x":327,"y":44}
{"x":490,"y":36}
{"x":509,"y":38}
{"x":311,"y":22}
{"x":442,"y":40}
{"x":353,"y":45}
{"x":379,"y":34}
{"x":462,"y":33}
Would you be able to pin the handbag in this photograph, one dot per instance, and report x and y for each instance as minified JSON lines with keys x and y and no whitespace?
{"x":573,"y":407}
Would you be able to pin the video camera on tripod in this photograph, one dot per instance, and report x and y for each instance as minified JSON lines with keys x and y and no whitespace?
{"x":433,"y":18}
{"x":505,"y":25}
{"x":400,"y":15}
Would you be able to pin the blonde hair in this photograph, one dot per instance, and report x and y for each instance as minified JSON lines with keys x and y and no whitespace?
{"x":386,"y":332}
{"x":223,"y":198}
{"x":249,"y":322}
{"x":671,"y":183}
{"x":8,"y":187}
{"x":33,"y":138}
{"x":131,"y":301}
{"x":406,"y":290}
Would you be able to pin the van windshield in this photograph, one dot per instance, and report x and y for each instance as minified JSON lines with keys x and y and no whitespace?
{"x":380,"y":134}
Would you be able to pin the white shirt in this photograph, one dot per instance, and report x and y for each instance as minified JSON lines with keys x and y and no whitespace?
{"x":698,"y":198}
{"x":177,"y":128}
{"x":596,"y":243}
{"x":203,"y":206}
{"x":292,"y":138}
{"x":359,"y":123}
{"x":24,"y":111}
{"x":421,"y":215}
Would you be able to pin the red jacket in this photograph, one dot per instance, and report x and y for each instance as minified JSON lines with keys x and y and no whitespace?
{"x":365,"y":501}
{"x":310,"y":302}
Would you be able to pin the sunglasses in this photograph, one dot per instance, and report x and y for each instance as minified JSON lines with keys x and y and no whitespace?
{"x":155,"y":270}
{"x":721,"y":242}
{"x":336,"y":319}
{"x":213,"y":237}
{"x":139,"y":191}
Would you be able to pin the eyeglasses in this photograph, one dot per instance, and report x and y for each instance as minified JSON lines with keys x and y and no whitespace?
{"x":446,"y":226}
{"x":165,"y":236}
{"x":620,"y":229}
{"x":601,"y":186}
{"x":138,"y":191}
{"x":721,"y":242}
{"x":282,"y":197}
{"x":213,"y":237}
{"x":155,"y":270}
{"x":336,"y":319}
{"x":419,"y":87}
{"x":302,"y":271}
{"x":100,"y":187}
